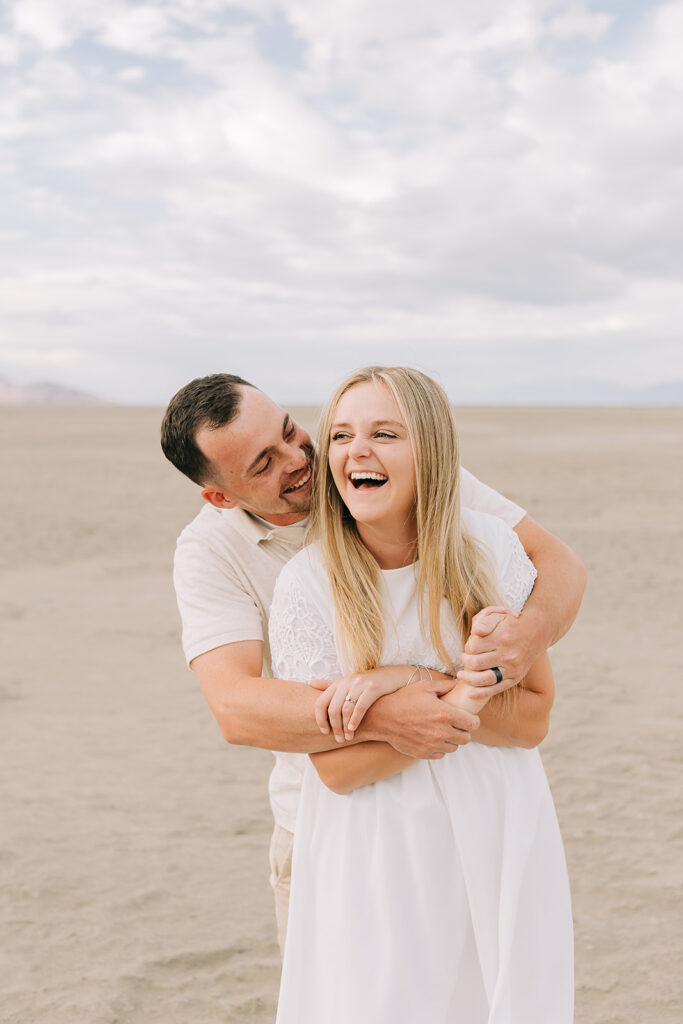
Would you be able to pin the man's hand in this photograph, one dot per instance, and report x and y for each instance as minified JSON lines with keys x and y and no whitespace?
{"x":504,"y":639}
{"x":415,"y":722}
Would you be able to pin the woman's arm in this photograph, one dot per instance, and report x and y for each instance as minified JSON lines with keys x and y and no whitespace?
{"x":521,"y":716}
{"x":352,"y":767}
{"x":370,"y":762}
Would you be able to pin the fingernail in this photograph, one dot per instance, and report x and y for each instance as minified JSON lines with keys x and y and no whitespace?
{"x":347,"y":736}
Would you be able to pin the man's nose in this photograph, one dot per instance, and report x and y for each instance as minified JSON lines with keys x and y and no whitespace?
{"x":295,"y":457}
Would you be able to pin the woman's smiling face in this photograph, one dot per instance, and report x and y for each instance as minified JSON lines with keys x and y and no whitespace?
{"x":371,"y":460}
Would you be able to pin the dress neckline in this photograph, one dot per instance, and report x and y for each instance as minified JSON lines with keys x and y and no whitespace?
{"x":401,"y":568}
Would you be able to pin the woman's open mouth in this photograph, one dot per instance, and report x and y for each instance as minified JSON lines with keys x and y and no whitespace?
{"x":364,"y":479}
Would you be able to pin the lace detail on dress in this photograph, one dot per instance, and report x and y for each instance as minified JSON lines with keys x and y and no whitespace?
{"x":302,"y":643}
{"x":519,"y":576}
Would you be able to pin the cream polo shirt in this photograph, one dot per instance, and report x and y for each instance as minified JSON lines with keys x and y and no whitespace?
{"x":225,"y":567}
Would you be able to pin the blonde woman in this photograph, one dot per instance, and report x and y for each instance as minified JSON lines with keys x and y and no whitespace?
{"x":422,"y":891}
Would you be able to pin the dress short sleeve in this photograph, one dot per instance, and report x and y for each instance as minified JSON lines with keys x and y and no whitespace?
{"x":513,"y":569}
{"x":301,"y":635}
{"x":518,"y":576}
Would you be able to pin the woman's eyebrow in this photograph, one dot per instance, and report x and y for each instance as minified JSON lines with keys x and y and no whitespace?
{"x":375,"y":423}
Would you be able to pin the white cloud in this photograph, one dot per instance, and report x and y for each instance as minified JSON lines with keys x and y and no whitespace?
{"x":140,"y":29}
{"x":578,"y":21}
{"x":132,"y":73}
{"x":339,"y":173}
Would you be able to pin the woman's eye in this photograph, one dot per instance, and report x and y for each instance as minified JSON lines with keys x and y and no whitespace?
{"x":263,"y":468}
{"x":339,"y":436}
{"x":384,"y":433}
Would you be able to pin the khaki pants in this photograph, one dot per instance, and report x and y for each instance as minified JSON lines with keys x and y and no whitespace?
{"x":280,"y":877}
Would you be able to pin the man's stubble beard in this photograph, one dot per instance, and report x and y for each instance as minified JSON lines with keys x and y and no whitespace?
{"x":303,"y":505}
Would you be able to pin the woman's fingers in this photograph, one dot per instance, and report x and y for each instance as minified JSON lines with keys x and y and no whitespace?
{"x":359,"y":696}
{"x":344,"y":701}
{"x":361,"y":705}
{"x":320,"y":684}
{"x":320,"y":709}
{"x":334,"y":712}
{"x":328,"y":708}
{"x":354,"y":690}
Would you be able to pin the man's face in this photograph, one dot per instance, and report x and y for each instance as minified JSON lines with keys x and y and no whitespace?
{"x":262,"y":461}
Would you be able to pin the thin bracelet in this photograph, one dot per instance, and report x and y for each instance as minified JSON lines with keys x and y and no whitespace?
{"x":412,"y":675}
{"x":418,"y":668}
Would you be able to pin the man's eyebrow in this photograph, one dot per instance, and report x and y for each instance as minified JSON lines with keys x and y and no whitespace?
{"x":285,"y":426}
{"x":261,"y":455}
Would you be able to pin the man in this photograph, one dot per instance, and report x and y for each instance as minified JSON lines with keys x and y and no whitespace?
{"x":255,"y":467}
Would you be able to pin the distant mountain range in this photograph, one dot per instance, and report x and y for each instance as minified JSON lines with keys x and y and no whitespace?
{"x":567,"y":392}
{"x":43,"y":392}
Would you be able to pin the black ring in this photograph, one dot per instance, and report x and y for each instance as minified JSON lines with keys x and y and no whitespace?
{"x":498,"y":674}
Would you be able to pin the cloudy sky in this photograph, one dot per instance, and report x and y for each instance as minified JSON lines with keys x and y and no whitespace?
{"x":286,"y":190}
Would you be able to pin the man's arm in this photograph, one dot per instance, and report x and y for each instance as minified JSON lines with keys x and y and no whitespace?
{"x":515,"y":643}
{"x":279,"y":714}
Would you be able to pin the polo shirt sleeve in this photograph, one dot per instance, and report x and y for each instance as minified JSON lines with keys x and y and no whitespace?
{"x":481,"y":498}
{"x":215,"y":607}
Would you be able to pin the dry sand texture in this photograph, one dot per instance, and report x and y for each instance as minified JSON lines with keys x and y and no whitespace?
{"x":133,"y":840}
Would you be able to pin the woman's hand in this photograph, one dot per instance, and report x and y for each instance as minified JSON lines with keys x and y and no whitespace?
{"x":343,"y":703}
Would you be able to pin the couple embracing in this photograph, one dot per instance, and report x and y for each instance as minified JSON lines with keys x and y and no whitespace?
{"x":424,"y":887}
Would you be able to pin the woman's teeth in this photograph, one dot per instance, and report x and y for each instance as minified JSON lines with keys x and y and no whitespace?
{"x":373,"y":479}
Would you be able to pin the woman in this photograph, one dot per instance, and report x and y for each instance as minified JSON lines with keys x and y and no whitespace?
{"x":422,"y":891}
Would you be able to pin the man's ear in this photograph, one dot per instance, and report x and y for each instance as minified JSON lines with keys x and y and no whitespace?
{"x":217,"y":498}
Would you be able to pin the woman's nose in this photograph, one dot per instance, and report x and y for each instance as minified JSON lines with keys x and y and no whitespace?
{"x":359,"y":446}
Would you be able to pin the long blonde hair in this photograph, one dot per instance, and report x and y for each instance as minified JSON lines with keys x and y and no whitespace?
{"x":450,"y":564}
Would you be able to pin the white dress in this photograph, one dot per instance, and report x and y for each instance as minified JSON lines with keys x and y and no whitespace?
{"x":439,"y":896}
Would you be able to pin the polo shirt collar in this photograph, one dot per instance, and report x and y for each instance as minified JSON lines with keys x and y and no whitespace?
{"x":257,"y":530}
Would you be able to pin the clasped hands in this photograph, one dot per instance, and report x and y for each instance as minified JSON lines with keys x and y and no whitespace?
{"x":497,"y":639}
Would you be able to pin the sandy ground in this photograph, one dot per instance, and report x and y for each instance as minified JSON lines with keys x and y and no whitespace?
{"x":133,"y":840}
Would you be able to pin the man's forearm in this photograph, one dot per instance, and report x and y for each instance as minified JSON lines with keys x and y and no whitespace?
{"x":278,"y":714}
{"x":274,"y":714}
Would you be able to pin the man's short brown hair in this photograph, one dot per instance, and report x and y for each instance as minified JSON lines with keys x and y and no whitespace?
{"x":211,"y":402}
